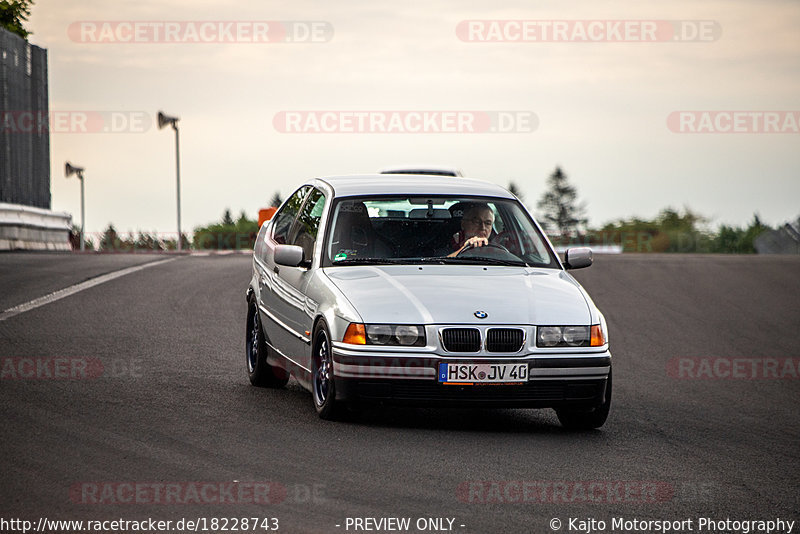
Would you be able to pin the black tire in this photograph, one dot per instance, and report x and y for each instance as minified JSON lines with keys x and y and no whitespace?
{"x":587,"y":419}
{"x":260,"y":373}
{"x":323,"y":383}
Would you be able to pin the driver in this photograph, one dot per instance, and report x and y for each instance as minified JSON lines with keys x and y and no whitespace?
{"x":476,"y":227}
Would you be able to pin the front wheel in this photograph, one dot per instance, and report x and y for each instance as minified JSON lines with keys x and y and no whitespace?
{"x":323,"y":385}
{"x":587,"y":419}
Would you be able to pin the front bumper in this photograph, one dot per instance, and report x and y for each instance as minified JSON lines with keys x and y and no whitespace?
{"x":554,"y":380}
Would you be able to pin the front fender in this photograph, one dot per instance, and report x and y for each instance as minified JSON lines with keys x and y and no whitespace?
{"x":333,"y":306}
{"x":252,"y":287}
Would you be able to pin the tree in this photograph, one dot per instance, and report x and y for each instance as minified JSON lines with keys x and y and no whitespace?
{"x":755,"y":229}
{"x":75,"y":239}
{"x":172,"y":244}
{"x":227,"y":220}
{"x":675,"y":231}
{"x":739,"y":240}
{"x":277,"y":200}
{"x":514,"y":190}
{"x":683,"y":232}
{"x":226,"y":234}
{"x":13,"y":14}
{"x":146,"y":241}
{"x":109,"y":239}
{"x":112,"y":242}
{"x":669,"y":231}
{"x":559,"y":206}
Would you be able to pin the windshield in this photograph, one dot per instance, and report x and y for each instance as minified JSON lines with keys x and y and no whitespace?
{"x":377,"y":230}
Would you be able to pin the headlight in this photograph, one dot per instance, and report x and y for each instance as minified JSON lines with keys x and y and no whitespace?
{"x":379,"y":334}
{"x":409,"y":334}
{"x":570,"y":336}
{"x":548,"y":336}
{"x":385,"y":334}
{"x":576,"y":336}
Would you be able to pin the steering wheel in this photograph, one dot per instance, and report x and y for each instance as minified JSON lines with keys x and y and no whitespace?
{"x":493,"y":245}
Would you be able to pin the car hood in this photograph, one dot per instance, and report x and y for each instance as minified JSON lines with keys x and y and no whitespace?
{"x":451,"y":294}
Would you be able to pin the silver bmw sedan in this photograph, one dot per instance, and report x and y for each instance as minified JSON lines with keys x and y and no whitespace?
{"x":429,"y":290}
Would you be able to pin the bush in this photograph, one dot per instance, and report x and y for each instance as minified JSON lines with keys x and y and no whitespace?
{"x":226,"y":234}
{"x":673,"y":231}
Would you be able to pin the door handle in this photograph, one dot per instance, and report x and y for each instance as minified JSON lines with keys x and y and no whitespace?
{"x":276,"y":270}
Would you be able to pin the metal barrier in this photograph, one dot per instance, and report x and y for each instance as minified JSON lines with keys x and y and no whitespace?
{"x":27,"y":228}
{"x":784,"y":240}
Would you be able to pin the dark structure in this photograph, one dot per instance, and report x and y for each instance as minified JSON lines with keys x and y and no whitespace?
{"x":784,"y":240}
{"x":26,"y":220}
{"x":24,"y":135}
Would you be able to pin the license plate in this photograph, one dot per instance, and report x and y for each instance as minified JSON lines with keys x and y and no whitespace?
{"x":482,"y":373}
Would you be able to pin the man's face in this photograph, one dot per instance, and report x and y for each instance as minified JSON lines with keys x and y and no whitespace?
{"x":477,"y":222}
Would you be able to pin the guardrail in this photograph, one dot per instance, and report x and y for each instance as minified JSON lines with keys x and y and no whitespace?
{"x":784,"y":240}
{"x":28,"y":228}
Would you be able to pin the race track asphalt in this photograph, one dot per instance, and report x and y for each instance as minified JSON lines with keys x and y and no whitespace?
{"x":167,"y":400}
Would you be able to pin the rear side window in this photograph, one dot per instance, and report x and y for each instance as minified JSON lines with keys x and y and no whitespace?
{"x":286,"y":215}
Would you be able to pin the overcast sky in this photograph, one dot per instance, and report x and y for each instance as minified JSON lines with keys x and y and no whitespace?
{"x":601,"y":108}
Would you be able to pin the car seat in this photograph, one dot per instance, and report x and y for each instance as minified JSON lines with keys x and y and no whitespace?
{"x":355,"y":236}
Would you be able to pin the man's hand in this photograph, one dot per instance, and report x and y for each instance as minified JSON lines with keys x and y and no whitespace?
{"x":472,"y":242}
{"x":475,"y":241}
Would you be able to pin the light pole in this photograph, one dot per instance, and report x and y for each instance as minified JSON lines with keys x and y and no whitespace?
{"x":69,"y":170}
{"x":163,"y":120}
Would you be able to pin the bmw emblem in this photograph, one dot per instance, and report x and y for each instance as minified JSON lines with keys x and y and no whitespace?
{"x":481,"y":314}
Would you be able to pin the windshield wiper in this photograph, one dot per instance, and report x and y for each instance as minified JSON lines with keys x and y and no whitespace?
{"x":367,"y":261}
{"x":480,"y":260}
{"x":441,"y":260}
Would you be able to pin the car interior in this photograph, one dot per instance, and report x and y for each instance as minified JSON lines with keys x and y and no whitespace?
{"x":396,"y":233}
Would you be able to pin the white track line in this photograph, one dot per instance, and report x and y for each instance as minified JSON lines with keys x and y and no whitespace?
{"x":71,"y":290}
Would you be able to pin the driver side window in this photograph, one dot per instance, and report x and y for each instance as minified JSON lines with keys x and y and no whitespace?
{"x":304,"y":233}
{"x":285,"y":217}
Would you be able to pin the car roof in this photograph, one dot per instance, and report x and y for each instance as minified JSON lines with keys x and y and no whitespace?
{"x":411,"y":184}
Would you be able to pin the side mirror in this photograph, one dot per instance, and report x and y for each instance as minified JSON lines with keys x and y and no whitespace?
{"x":289,"y":255}
{"x":578,"y":258}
